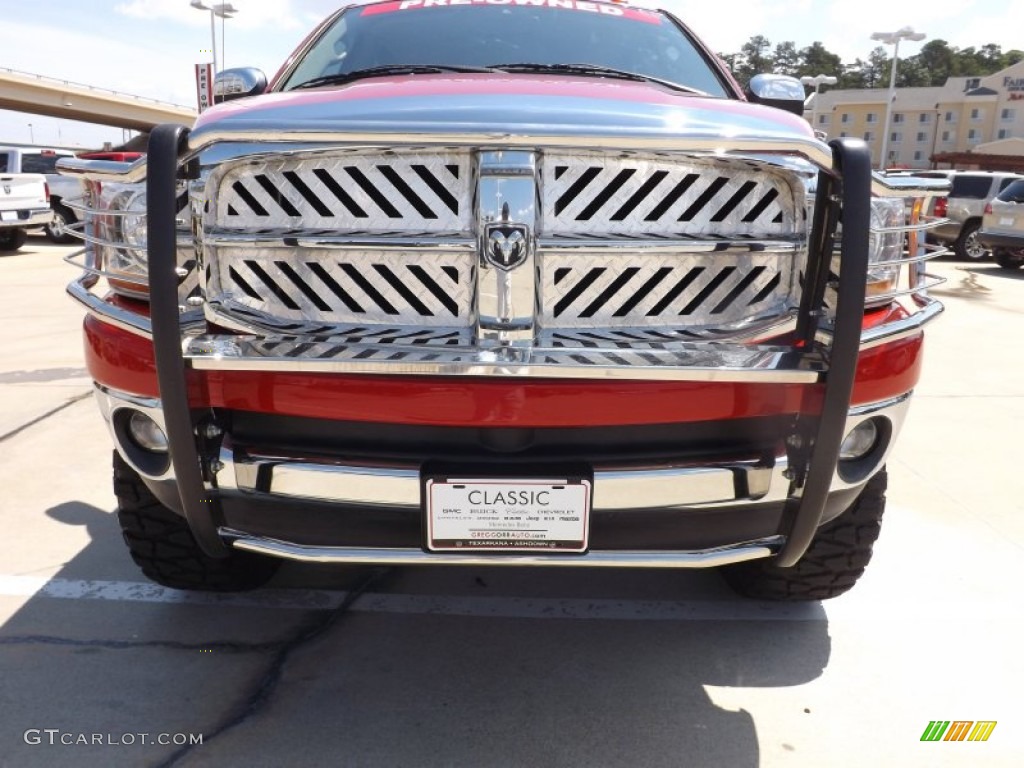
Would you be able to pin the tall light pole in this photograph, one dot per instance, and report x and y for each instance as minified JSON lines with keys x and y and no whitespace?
{"x":893,"y":39}
{"x":816,"y":82}
{"x":225,"y":11}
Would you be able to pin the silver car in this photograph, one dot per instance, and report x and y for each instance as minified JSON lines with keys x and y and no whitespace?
{"x":1002,"y":227}
{"x":964,"y":207}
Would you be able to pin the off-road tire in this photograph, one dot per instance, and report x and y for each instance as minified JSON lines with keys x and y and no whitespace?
{"x":837,"y":557}
{"x":56,"y":231}
{"x":162,"y":545}
{"x":12,"y":239}
{"x":967,"y":246}
{"x":1010,"y":260}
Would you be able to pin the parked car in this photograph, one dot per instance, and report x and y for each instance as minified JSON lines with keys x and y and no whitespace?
{"x":964,"y":207}
{"x":440,"y":293}
{"x":1002,"y":227}
{"x":62,"y":189}
{"x":24,"y":204}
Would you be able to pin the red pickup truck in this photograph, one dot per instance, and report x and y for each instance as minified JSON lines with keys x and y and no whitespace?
{"x":527,"y":283}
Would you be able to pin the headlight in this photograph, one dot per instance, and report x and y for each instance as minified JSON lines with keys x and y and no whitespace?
{"x":119,"y":226}
{"x":885,"y":247}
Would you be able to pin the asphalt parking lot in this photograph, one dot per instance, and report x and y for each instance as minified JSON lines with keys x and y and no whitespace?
{"x":489,"y":667}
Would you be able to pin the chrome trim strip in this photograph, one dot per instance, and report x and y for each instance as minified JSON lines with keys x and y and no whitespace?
{"x":316,"y":239}
{"x":103,"y":170}
{"x":616,"y":488}
{"x":108,"y":313}
{"x":675,"y":362}
{"x":670,"y":246}
{"x":900,"y":329}
{"x":708,"y":558}
{"x":428,"y":135}
{"x":908,"y":186}
{"x":870,"y":409}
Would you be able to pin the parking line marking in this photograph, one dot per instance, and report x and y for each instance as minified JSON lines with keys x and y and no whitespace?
{"x":489,"y":606}
{"x":854,"y":608}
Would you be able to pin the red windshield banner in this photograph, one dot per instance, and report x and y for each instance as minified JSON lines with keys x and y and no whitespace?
{"x":605,"y":9}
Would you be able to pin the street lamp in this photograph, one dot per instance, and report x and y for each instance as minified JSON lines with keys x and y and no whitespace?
{"x":225,"y":11}
{"x":816,"y":82}
{"x":893,"y":39}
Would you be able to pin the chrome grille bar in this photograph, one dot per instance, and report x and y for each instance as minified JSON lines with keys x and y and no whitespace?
{"x":613,"y":196}
{"x":607,"y":288}
{"x":345,"y":287}
{"x":380,"y":191}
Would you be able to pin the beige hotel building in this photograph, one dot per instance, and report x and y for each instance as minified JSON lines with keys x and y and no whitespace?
{"x":970,"y":122}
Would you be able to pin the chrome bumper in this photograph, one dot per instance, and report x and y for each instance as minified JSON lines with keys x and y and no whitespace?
{"x":678,"y":486}
{"x":35,"y":217}
{"x":708,"y":558}
{"x":618,"y":489}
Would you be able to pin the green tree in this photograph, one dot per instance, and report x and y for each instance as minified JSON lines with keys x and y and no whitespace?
{"x":786,"y":60}
{"x":753,"y":58}
{"x":816,"y":59}
{"x":937,"y":59}
{"x":854,"y":75}
{"x":876,"y":73}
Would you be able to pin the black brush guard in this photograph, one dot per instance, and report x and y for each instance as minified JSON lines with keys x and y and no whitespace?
{"x":845,"y":191}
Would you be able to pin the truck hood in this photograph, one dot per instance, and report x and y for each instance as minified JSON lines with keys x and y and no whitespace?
{"x":498,"y":105}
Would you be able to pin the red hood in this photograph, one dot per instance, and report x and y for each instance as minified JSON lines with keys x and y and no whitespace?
{"x":506,"y":103}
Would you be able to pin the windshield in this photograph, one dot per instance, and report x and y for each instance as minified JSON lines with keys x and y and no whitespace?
{"x":488,"y":33}
{"x":1014,"y":193}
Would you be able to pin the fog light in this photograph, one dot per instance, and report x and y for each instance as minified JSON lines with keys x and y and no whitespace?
{"x":147,"y":433}
{"x":860,"y":442}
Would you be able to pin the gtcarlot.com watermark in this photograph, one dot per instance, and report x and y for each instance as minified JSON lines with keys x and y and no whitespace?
{"x":57,"y":737}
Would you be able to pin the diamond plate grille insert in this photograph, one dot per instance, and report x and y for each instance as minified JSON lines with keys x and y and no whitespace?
{"x":442,"y":352}
{"x":602,"y":195}
{"x":354,"y":192}
{"x":670,"y":290}
{"x":305,"y":287}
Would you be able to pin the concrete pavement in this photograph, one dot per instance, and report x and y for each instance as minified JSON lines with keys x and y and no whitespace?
{"x":491,"y":667}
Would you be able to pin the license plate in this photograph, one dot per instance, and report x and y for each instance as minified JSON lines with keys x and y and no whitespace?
{"x":9,"y":215}
{"x":508,"y":515}
{"x":1006,"y":222}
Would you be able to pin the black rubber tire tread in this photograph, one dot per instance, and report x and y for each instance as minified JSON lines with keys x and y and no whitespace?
{"x":836,"y":559}
{"x":960,"y":246}
{"x":12,"y":239}
{"x":1009,"y":261}
{"x":68,"y":218}
{"x":162,"y":545}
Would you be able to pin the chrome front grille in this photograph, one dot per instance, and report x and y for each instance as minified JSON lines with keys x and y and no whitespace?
{"x":603,"y":195}
{"x":376,"y":192}
{"x":326,"y":241}
{"x":695,"y":291}
{"x":298,"y":286}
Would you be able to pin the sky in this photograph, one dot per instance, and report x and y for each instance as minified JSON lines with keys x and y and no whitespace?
{"x":148,"y":47}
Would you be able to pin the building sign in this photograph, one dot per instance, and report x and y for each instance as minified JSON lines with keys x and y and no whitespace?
{"x":1015,"y":87}
{"x":204,"y":85}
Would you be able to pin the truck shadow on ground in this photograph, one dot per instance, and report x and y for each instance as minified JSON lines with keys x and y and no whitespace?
{"x":474,"y":667}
